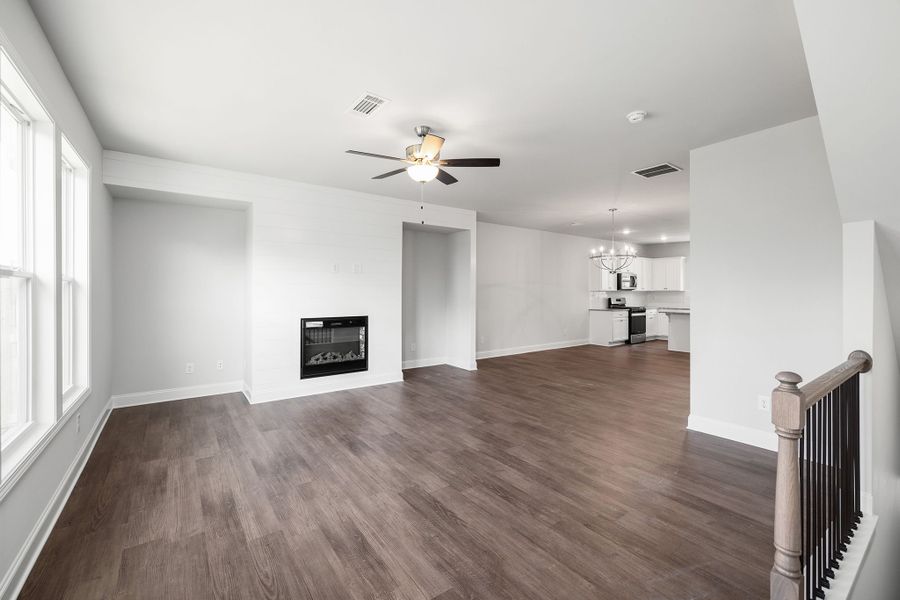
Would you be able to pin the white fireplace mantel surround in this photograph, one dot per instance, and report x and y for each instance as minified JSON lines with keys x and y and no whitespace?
{"x":311,"y":251}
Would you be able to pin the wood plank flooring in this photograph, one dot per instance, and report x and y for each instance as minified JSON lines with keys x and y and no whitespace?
{"x":562,"y":474}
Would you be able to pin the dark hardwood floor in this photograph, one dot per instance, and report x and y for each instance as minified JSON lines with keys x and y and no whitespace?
{"x":561,"y":474}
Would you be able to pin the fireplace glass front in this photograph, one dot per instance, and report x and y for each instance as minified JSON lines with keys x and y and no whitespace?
{"x":334,"y":345}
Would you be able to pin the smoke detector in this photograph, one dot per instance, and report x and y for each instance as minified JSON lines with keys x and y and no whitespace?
{"x":636,"y":116}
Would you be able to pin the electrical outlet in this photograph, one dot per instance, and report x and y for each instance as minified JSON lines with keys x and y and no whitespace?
{"x":189,"y":368}
{"x":335,"y":268}
{"x":220,"y":365}
{"x":412,"y":346}
{"x":357,"y":268}
{"x":763,"y":402}
{"x":78,"y":423}
{"x":481,"y":340}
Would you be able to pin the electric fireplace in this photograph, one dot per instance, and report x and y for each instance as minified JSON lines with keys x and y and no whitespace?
{"x":334,"y":345}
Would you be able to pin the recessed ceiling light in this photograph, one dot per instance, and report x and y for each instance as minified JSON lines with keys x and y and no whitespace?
{"x":626,"y":231}
{"x":663,"y":237}
{"x":574,"y":224}
{"x":636,"y":116}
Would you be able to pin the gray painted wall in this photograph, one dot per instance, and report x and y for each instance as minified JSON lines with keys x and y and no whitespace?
{"x":22,"y":508}
{"x":764,"y":224}
{"x":857,"y":90}
{"x":178,"y":296}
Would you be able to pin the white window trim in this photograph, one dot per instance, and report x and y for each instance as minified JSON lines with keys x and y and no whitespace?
{"x":80,"y":278}
{"x":19,"y":441}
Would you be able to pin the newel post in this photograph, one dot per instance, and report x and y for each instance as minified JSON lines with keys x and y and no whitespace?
{"x":786,"y":580}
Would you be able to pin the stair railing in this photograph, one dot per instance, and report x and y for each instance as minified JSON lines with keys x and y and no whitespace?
{"x":817,"y":490}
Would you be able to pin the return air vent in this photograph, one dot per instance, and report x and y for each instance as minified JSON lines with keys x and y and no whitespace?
{"x":656,"y":170}
{"x":368,"y":104}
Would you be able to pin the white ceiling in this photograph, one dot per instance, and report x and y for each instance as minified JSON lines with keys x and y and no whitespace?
{"x":265,"y":87}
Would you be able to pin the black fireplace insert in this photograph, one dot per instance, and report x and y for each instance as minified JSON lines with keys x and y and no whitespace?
{"x":333,"y":345}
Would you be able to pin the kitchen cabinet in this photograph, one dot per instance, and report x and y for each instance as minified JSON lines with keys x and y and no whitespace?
{"x":643,"y":268}
{"x":652,"y":323}
{"x":608,"y":327}
{"x":608,"y":281}
{"x":662,"y":325}
{"x":653,"y":275}
{"x":620,"y":327}
{"x":601,"y":280}
{"x":668,"y":274}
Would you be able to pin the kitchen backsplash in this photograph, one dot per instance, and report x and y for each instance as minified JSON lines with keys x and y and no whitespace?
{"x":651,"y":299}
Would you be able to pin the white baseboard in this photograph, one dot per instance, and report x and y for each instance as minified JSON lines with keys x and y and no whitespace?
{"x":532,"y":348}
{"x":731,"y":431}
{"x":194,"y":391}
{"x":248,"y":394}
{"x":852,"y":563}
{"x":21,"y":566}
{"x":431,"y":362}
{"x":323,"y":385}
{"x":417,"y":363}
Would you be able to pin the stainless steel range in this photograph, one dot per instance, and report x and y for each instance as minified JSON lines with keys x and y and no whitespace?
{"x":637,"y":320}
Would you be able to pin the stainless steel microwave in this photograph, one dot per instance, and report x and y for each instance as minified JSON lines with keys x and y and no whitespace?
{"x":627,"y":281}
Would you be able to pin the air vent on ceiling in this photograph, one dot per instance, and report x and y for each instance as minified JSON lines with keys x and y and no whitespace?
{"x":656,"y":170}
{"x":368,"y":104}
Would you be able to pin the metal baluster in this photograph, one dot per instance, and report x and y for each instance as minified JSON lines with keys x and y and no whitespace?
{"x":820,"y":452}
{"x":804,"y":498}
{"x":817,"y":499}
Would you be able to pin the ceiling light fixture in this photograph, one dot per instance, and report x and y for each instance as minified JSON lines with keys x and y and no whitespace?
{"x":663,"y":237}
{"x":636,"y":116}
{"x":626,"y":231}
{"x":615,"y":260}
{"x":423,"y":172}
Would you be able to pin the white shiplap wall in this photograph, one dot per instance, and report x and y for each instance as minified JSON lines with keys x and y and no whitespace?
{"x":313,"y":251}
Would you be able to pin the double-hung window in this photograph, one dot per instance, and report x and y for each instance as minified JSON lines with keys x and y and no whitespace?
{"x":74,"y":351}
{"x":16,"y":271}
{"x":33,"y":167}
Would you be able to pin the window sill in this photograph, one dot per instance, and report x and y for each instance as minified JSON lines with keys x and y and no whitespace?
{"x":74,"y":397}
{"x":31,"y":443}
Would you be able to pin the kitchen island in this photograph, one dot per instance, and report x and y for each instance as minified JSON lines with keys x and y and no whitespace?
{"x":679,"y":328}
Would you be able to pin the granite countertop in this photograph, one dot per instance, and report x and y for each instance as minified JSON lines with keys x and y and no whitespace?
{"x":610,"y":309}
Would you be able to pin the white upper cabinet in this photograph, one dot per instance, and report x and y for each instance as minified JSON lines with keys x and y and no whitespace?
{"x":600,"y":279}
{"x":643,"y":268}
{"x":667,"y":274}
{"x":653,"y":275}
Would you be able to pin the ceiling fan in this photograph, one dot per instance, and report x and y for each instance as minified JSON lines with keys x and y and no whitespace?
{"x":425,"y":160}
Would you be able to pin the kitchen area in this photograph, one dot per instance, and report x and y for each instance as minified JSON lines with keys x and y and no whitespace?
{"x":644,"y":301}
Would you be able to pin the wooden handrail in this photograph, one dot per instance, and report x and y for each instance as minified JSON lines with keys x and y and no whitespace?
{"x":858,"y":362}
{"x":789,"y":404}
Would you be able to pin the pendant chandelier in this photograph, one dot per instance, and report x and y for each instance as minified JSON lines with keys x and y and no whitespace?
{"x":615,"y":259}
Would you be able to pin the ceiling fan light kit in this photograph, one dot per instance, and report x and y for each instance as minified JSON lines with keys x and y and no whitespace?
{"x":425,"y":160}
{"x":422,"y":172}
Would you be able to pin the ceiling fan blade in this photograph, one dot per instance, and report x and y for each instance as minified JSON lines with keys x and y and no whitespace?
{"x":470,"y":162}
{"x":389,"y":174}
{"x":360,"y":153}
{"x":431,"y":145}
{"x":445,"y":177}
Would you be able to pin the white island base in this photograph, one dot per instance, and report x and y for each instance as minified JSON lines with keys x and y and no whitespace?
{"x":679,"y":329}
